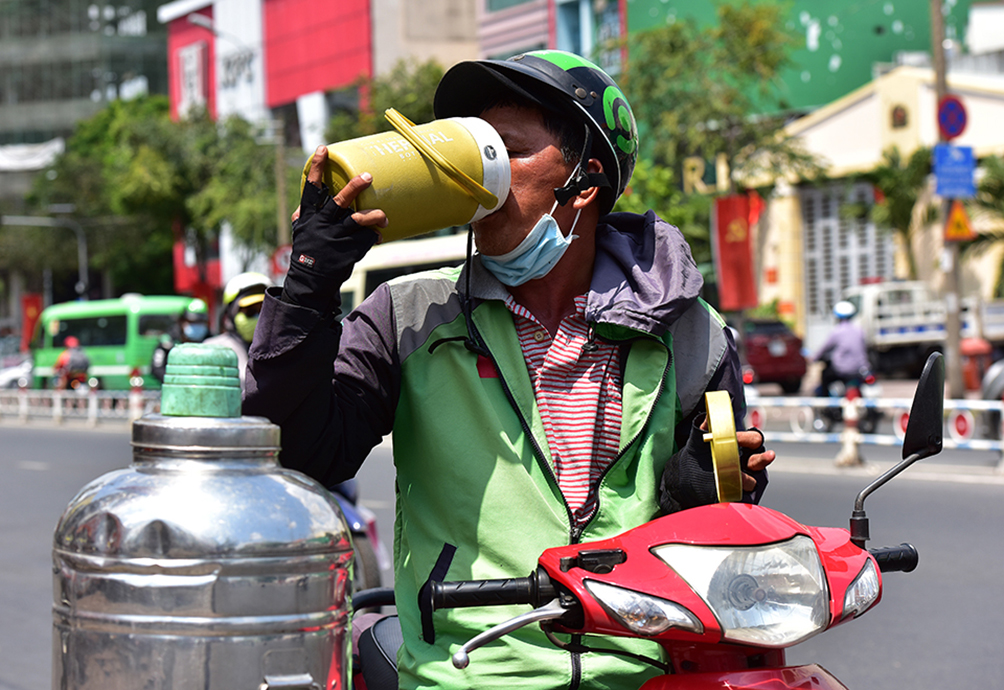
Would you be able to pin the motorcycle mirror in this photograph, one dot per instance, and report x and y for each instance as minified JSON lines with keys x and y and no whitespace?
{"x":923,"y":437}
{"x":924,"y":430}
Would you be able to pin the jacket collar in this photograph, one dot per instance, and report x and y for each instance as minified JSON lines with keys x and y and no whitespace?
{"x":644,"y":275}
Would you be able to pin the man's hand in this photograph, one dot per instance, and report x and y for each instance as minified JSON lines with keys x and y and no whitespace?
{"x":347,"y":195}
{"x":328,"y":239}
{"x":753,"y":440}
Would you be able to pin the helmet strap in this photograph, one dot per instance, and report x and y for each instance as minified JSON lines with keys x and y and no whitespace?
{"x":581,"y":180}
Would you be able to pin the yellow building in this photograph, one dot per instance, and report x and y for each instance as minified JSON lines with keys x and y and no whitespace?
{"x":808,"y":250}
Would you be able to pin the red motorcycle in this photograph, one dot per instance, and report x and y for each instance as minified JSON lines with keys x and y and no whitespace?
{"x":724,"y":588}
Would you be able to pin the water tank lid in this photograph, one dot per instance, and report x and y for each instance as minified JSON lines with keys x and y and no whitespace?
{"x":189,"y":434}
{"x":201,"y":381}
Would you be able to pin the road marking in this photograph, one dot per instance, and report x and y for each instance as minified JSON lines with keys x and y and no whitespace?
{"x":943,"y":473}
{"x":33,"y":465}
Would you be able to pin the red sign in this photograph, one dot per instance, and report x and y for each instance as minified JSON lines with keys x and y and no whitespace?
{"x":280,"y":261}
{"x":733,"y":253}
{"x":315,"y":46}
{"x":31,"y":310}
{"x":952,"y":117}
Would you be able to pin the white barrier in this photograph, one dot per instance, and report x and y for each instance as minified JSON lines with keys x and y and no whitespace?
{"x":959,"y":417}
{"x":90,"y":406}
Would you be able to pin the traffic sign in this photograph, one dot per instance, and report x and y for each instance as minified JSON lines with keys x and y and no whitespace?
{"x":953,"y":169}
{"x":958,"y":228}
{"x":280,"y":261}
{"x":952,"y":117}
{"x":900,"y":418}
{"x":961,"y":425}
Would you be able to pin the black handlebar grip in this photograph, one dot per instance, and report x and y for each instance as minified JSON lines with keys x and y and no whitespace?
{"x":448,"y":595}
{"x":903,"y":558}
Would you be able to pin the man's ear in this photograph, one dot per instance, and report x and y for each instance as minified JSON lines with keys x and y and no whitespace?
{"x":584,"y":198}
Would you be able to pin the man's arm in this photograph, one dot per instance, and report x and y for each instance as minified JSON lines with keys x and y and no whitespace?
{"x":328,"y":422}
{"x":688,"y":479}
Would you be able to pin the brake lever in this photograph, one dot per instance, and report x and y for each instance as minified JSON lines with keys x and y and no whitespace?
{"x":549,"y":611}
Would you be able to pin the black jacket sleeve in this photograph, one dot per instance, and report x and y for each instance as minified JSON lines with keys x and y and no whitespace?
{"x":331,"y":386}
{"x":688,"y":479}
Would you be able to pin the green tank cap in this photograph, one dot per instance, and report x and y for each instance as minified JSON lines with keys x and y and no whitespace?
{"x":201,"y":381}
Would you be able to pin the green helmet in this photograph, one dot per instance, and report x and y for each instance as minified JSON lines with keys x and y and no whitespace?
{"x":558,"y":81}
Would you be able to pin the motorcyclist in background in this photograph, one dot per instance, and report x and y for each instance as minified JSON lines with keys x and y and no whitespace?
{"x":192,"y":327}
{"x":242,"y":298}
{"x":71,"y":365}
{"x":844,"y":353}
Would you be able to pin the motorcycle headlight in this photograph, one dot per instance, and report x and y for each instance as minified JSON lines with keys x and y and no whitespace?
{"x":641,"y":613}
{"x":863,"y":591}
{"x":771,"y":596}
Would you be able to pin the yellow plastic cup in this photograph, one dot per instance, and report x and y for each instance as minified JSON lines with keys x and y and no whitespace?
{"x":425,"y":177}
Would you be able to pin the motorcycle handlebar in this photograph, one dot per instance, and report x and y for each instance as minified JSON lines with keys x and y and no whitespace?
{"x":535,"y":589}
{"x":903,"y":558}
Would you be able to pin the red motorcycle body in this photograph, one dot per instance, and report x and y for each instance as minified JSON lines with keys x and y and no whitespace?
{"x":810,"y":677}
{"x":706,"y":660}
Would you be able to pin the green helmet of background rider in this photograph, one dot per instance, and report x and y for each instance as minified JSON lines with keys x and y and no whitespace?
{"x":561,"y":82}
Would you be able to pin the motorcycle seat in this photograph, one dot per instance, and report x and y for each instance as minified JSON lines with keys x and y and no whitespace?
{"x":377,"y":649}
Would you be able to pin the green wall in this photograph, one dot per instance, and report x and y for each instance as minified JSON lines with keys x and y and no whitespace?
{"x":841,"y":39}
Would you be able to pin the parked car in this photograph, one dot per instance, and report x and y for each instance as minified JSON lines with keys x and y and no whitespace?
{"x":770,"y":353}
{"x":16,"y":376}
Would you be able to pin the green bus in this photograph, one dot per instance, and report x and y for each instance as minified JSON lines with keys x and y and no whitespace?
{"x":118,"y":335}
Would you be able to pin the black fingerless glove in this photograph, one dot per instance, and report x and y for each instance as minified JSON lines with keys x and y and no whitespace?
{"x":689,"y":477}
{"x":327,"y":243}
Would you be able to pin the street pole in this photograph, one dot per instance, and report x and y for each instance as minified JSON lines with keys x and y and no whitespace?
{"x":953,"y":321}
{"x":69,"y":223}
{"x":282,"y":212}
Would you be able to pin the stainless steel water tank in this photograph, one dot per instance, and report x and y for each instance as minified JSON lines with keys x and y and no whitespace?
{"x":204,"y":564}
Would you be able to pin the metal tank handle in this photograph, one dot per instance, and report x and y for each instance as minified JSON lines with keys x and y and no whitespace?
{"x":473,"y":188}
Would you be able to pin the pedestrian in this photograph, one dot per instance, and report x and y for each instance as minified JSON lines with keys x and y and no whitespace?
{"x":242,"y":300}
{"x":192,"y":327}
{"x":549,"y":391}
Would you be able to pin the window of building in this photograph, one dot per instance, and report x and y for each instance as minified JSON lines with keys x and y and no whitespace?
{"x":498,"y":5}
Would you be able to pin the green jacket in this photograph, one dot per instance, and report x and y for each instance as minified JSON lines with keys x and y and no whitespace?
{"x":474,"y":471}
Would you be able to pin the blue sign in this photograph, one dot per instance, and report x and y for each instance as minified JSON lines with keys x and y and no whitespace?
{"x":953,"y":168}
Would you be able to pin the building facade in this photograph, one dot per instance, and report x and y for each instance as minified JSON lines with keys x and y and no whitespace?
{"x":63,"y":60}
{"x":817,"y":239}
{"x":291,"y":59}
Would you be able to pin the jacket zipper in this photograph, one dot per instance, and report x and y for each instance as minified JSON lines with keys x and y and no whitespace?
{"x":658,"y":396}
{"x":574,"y":530}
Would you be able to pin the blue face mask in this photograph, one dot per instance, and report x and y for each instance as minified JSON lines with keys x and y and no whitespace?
{"x":195,"y":332}
{"x":536,"y":255}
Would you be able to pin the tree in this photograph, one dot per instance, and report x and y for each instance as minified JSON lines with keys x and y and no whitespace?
{"x":901,"y":183}
{"x":134,"y":176}
{"x":989,"y":201}
{"x":409,"y":88}
{"x":655,"y":187}
{"x":702,"y":92}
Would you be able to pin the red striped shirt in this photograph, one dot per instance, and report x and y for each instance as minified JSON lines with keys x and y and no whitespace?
{"x":578,"y":394}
